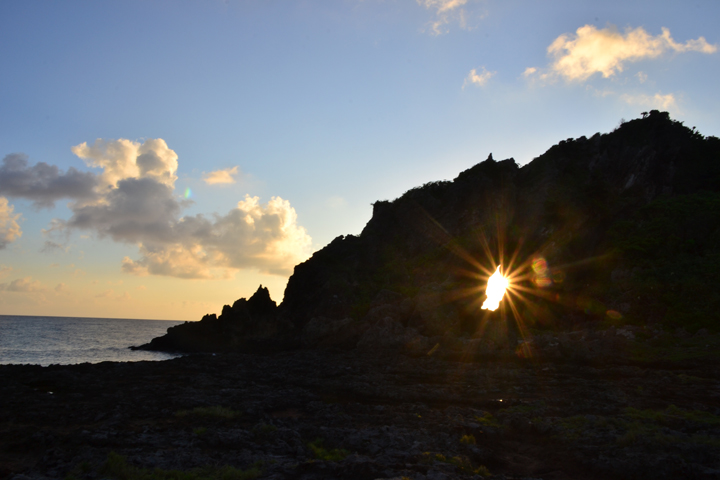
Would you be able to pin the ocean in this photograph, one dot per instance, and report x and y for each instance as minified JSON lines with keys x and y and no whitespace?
{"x":69,"y":340}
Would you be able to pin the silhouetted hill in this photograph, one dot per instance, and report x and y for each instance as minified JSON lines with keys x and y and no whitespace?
{"x":618,"y":228}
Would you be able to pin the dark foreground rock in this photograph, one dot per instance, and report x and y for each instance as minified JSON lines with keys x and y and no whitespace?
{"x":249,"y":325}
{"x":313,"y":414}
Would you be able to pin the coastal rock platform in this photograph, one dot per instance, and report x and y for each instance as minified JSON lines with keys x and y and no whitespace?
{"x":318,"y":414}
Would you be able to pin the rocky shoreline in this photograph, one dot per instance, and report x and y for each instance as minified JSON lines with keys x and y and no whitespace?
{"x":322,"y":414}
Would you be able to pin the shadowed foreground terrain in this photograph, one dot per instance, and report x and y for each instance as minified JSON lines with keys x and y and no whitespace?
{"x":312,"y":414}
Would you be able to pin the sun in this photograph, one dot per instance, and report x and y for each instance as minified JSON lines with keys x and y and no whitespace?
{"x":509,"y":287}
{"x":496,"y":286}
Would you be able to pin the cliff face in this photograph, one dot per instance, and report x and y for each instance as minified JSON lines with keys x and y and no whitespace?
{"x":612,"y":216}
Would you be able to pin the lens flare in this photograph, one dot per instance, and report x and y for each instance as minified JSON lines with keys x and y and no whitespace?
{"x":188,"y":192}
{"x":542,"y":274}
{"x":496,"y":286}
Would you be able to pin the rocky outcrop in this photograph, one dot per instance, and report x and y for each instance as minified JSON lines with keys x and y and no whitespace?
{"x":249,"y":325}
{"x":606,"y":215}
{"x":389,"y":335}
{"x":324,"y":332}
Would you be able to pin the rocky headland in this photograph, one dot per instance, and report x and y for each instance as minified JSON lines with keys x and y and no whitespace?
{"x":380,"y":364}
{"x":620,"y":229}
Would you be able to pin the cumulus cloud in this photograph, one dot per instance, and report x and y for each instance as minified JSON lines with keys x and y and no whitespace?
{"x":446,"y":12}
{"x":139,"y":206}
{"x":42,"y":183}
{"x":478,"y":78}
{"x":658,"y":101}
{"x":137,"y":210}
{"x":220,"y":176}
{"x":9,"y":227}
{"x":123,"y":159}
{"x":252,"y":235}
{"x":145,"y":212}
{"x":22,"y":285}
{"x":169,"y":260}
{"x":591,"y":50}
{"x":132,"y":200}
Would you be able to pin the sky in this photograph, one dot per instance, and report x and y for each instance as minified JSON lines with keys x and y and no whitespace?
{"x":163,"y":158}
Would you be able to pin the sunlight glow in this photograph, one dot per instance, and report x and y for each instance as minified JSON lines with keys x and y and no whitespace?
{"x":496,"y":286}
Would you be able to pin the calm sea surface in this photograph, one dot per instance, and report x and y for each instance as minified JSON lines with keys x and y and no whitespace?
{"x":68,"y":340}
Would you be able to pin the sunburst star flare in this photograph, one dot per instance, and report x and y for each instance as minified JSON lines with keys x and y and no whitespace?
{"x":496,"y":286}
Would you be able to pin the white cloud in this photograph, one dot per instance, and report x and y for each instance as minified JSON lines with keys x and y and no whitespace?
{"x":123,"y":159}
{"x":9,"y":227}
{"x":174,"y":260}
{"x":591,"y":50}
{"x":442,"y":6}
{"x":221,"y":176}
{"x":642,"y":77}
{"x":529,"y":71}
{"x":658,"y":101}
{"x":263,"y":237}
{"x":446,"y":12}
{"x":480,"y":79}
{"x":143,"y":209}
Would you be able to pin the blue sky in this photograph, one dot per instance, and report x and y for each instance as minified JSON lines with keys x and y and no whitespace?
{"x":324,"y":106}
